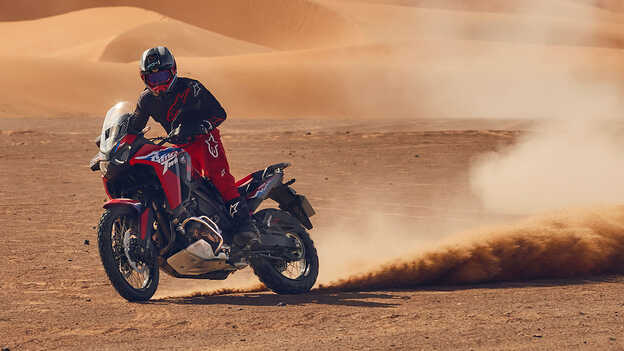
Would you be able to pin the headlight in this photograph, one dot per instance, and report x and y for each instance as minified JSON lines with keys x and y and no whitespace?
{"x":104,"y":167}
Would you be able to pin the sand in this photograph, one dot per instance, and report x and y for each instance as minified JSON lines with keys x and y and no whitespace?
{"x":57,"y":294}
{"x":463,"y":158}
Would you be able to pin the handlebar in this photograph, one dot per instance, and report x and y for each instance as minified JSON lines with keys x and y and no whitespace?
{"x":161,"y":140}
{"x":168,"y":138}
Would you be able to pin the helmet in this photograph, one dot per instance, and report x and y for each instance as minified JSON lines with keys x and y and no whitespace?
{"x":158,"y":69}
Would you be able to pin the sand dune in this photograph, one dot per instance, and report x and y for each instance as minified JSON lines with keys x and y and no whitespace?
{"x":326,"y":83}
{"x":282,"y":24}
{"x":430,"y":78}
{"x":611,"y":5}
{"x":115,"y":34}
{"x":573,"y":27}
{"x":87,"y":30}
{"x":65,"y":87}
{"x":336,"y":58}
{"x":181,"y":38}
{"x":558,"y":8}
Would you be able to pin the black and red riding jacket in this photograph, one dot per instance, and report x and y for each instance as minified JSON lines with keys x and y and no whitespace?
{"x":188,"y":103}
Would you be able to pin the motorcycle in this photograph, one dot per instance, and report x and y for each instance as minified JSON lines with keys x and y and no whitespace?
{"x":162,"y":214}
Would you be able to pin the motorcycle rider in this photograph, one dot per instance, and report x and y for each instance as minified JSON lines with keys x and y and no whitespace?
{"x":191,"y":114}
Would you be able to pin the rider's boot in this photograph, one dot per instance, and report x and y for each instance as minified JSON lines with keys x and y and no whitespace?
{"x":246,"y":234}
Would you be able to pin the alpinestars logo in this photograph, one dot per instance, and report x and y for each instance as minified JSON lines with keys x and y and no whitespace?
{"x":234,"y":208}
{"x":213,"y":146}
{"x":167,"y":159}
{"x":196,"y":89}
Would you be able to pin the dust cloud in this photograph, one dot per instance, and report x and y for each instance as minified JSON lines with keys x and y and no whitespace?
{"x":560,"y":245}
{"x":572,"y":158}
{"x":571,"y":163}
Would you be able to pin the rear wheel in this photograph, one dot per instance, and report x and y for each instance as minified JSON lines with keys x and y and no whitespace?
{"x":292,"y":276}
{"x":131,"y":267}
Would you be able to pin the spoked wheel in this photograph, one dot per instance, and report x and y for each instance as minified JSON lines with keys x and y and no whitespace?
{"x":292,"y":276}
{"x":295,"y":269}
{"x":131,"y":267}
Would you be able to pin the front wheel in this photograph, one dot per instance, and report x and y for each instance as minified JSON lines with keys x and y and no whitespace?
{"x":287,"y":276}
{"x":131,"y":267}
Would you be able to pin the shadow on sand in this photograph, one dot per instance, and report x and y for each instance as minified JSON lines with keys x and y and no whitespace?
{"x":355,"y":299}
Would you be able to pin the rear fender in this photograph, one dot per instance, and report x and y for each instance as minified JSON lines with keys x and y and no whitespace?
{"x":297,"y":205}
{"x":145,"y":214}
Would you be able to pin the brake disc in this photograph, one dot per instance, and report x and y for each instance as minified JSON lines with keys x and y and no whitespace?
{"x":129,"y":248}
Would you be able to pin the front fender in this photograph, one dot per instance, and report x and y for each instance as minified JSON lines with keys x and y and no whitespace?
{"x":145,"y":214}
{"x":129,"y":203}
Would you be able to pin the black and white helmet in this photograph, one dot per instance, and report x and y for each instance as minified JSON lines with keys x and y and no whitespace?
{"x":158,"y":69}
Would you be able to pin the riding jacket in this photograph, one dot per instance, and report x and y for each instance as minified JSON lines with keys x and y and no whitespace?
{"x":187,"y":104}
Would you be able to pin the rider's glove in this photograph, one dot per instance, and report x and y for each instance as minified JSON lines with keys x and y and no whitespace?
{"x":184,"y":134}
{"x":180,"y":136}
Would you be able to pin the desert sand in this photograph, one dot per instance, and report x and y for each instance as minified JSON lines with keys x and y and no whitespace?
{"x":464,"y":159}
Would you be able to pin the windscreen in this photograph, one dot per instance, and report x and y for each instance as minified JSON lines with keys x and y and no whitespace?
{"x":115,"y":126}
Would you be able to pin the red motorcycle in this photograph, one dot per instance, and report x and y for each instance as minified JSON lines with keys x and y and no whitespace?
{"x":163,"y":214}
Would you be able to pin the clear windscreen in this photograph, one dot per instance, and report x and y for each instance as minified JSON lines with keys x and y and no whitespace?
{"x":115,"y":126}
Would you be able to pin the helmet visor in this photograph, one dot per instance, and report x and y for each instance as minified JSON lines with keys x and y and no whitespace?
{"x":158,"y":78}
